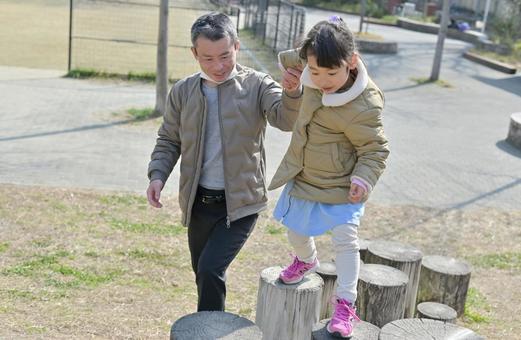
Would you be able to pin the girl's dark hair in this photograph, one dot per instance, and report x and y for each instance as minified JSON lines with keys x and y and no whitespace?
{"x":331,"y":42}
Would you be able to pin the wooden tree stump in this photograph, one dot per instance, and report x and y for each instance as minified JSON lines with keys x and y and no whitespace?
{"x":214,"y":325}
{"x":403,"y":257}
{"x":363,"y":248}
{"x":445,"y":280}
{"x":327,"y":271}
{"x":381,"y":294}
{"x":426,"y":329}
{"x":288,"y":311}
{"x":363,"y":331}
{"x":436,"y":311}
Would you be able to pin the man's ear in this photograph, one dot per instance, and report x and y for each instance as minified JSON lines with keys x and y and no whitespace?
{"x":194,"y":52}
{"x":237,"y":45}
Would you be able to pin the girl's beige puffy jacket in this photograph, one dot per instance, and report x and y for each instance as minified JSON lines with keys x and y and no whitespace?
{"x":331,"y":144}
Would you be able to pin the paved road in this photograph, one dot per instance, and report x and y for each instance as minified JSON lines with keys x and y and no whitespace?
{"x":447,"y":144}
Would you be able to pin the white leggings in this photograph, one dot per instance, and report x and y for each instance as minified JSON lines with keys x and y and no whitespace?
{"x":345,"y":242}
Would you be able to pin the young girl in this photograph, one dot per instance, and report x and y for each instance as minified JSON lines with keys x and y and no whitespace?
{"x":337,"y":153}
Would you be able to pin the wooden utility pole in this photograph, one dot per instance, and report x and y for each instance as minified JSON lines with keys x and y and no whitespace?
{"x":435,"y":74}
{"x":162,"y":60}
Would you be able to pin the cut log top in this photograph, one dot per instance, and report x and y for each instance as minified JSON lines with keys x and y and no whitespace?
{"x":438,"y":311}
{"x":395,"y":251}
{"x":327,"y":269}
{"x":310,"y":282}
{"x":426,"y":329}
{"x":214,"y":325}
{"x":362,"y":331}
{"x":447,"y":265}
{"x":381,"y":275}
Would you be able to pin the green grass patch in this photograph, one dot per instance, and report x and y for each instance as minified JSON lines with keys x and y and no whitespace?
{"x":514,"y":58}
{"x":20,"y":294}
{"x":151,"y":228}
{"x":474,"y":305}
{"x":29,"y":268}
{"x":369,"y":36}
{"x":3,"y":247}
{"x":149,"y":256}
{"x":142,"y":114}
{"x":275,"y":229}
{"x":123,"y":200}
{"x":424,"y":81}
{"x":82,"y":73}
{"x":507,"y":261}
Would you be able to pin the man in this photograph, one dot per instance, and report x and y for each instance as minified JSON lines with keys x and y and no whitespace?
{"x":215,"y":121}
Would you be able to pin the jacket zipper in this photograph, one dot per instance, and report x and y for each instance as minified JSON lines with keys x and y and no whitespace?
{"x":197,"y":171}
{"x":228,"y":222}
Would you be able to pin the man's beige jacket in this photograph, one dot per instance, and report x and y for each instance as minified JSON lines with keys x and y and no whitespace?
{"x":247,"y":103}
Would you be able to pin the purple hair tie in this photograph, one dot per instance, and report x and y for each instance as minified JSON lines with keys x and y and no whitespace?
{"x":335,"y":19}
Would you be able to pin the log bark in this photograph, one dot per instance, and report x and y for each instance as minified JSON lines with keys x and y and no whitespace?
{"x":214,"y":325}
{"x":423,"y":329}
{"x":287,"y":311}
{"x":436,"y":311}
{"x":444,"y":280}
{"x":403,"y":257}
{"x":381,"y":294}
{"x":327,"y":271}
{"x":362,"y":331}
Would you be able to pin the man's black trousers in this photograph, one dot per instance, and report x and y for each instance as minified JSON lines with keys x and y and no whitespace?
{"x":213,"y":246}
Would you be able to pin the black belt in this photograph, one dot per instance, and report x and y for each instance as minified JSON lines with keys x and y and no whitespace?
{"x":209,"y":196}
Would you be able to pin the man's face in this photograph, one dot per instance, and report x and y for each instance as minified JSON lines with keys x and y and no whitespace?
{"x":216,"y":58}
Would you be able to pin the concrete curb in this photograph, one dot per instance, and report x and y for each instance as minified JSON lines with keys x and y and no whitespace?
{"x":495,"y":65}
{"x":377,"y":47}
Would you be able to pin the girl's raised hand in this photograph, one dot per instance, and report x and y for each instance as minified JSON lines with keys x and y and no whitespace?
{"x":291,"y":79}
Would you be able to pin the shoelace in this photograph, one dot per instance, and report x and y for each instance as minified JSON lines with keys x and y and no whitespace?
{"x":294,"y":267}
{"x":346,"y":312}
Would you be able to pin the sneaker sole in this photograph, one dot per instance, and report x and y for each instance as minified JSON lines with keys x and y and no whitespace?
{"x":312,"y":270}
{"x":337,"y":334}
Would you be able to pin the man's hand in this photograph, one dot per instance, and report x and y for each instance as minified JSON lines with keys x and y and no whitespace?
{"x":356,"y":193}
{"x":154,"y":193}
{"x":291,"y":79}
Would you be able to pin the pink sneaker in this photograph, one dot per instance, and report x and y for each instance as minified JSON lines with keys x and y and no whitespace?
{"x":295,"y":272}
{"x":343,"y":319}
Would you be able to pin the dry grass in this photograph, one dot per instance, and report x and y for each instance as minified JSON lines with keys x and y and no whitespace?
{"x":100,"y":264}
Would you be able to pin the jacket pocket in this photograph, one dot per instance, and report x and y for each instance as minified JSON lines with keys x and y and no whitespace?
{"x":321,"y":157}
{"x":344,"y":158}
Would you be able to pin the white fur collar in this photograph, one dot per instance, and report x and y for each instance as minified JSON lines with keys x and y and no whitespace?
{"x":232,"y":75}
{"x":339,"y":99}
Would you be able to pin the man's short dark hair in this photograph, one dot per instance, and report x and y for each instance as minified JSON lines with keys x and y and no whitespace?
{"x":213,"y":26}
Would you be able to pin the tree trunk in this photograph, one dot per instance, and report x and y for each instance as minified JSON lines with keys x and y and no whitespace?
{"x":403,"y":257}
{"x":435,"y":74}
{"x":327,"y":271}
{"x":419,"y":329}
{"x":445,"y":280}
{"x":214,"y":325}
{"x":436,"y":311}
{"x":287,"y":311}
{"x":381,"y":294}
{"x":162,"y":60}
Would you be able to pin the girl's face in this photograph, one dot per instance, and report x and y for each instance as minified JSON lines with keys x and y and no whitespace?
{"x":329,"y":80}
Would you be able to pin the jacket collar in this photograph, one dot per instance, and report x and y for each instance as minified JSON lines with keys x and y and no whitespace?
{"x":232,"y":75}
{"x":339,"y":99}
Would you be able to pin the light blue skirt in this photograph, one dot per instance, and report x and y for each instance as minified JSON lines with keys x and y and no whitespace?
{"x":310,"y":218}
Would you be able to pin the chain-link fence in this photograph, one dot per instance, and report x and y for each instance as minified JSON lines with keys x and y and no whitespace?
{"x":280,"y":24}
